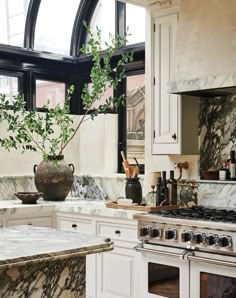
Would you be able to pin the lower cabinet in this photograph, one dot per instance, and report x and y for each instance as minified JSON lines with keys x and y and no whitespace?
{"x":45,"y":221}
{"x":117,"y":274}
{"x":112,"y":274}
{"x":82,"y":225}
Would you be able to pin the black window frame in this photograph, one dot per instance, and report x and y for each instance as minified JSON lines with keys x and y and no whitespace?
{"x":31,"y":64}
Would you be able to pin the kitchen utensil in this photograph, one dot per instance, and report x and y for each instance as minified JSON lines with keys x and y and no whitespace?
{"x":125,"y":161}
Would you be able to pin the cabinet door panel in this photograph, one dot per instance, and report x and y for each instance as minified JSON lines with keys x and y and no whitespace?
{"x":80,"y":225}
{"x":117,"y":231}
{"x":117,"y":274}
{"x":37,"y":221}
{"x":166,"y":112}
{"x":165,"y":104}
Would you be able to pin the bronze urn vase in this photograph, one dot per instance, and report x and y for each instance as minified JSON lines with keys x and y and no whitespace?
{"x":54,"y":178}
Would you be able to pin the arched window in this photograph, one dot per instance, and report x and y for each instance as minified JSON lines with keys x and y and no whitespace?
{"x":12,"y":21}
{"x":54,"y":26}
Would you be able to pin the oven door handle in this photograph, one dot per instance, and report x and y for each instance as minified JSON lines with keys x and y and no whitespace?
{"x":211,"y":261}
{"x":159,"y":252}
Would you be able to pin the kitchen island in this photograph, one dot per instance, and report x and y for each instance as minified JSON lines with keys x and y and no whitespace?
{"x":43,"y":262}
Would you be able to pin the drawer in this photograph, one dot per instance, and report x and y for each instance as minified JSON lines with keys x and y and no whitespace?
{"x":80,"y":225}
{"x":36,"y":221}
{"x":117,"y":231}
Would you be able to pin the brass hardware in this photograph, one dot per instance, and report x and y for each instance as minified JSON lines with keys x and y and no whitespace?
{"x":181,"y":166}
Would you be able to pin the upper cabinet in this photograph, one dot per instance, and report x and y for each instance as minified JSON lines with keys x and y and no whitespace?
{"x":174,"y":117}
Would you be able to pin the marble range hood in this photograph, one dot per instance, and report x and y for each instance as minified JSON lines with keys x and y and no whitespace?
{"x":205,"y":59}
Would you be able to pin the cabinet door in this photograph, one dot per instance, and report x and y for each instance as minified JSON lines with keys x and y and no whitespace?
{"x":82,"y":225}
{"x":79,"y":225}
{"x":45,"y":221}
{"x":166,"y":106}
{"x":117,"y":274}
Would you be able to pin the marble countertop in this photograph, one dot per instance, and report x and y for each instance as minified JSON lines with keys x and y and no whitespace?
{"x":21,"y":244}
{"x":72,"y":205}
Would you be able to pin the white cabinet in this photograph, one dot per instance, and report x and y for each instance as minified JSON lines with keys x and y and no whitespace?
{"x":112,"y":274}
{"x":45,"y":221}
{"x":117,"y":274}
{"x":117,"y":271}
{"x":174,"y":117}
{"x":82,"y":224}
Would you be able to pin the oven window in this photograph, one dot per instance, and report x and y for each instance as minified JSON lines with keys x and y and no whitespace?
{"x":163,"y":280}
{"x":217,"y":286}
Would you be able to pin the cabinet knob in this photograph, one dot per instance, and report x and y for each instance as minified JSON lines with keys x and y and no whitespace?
{"x":117,"y":232}
{"x":74,"y":226}
{"x":174,"y":136}
{"x":107,"y":240}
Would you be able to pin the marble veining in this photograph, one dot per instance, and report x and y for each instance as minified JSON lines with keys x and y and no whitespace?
{"x":29,"y":243}
{"x":217,"y":194}
{"x":57,"y":279}
{"x":203,"y":83}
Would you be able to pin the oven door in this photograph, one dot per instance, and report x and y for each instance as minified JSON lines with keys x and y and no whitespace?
{"x":212,"y":275}
{"x":164,"y":272}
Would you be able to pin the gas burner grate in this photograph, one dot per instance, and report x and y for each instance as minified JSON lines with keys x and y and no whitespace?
{"x":199,"y":213}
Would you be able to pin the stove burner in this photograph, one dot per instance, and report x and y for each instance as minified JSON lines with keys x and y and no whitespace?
{"x":199,"y":213}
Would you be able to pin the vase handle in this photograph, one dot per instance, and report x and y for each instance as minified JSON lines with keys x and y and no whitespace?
{"x":72,"y":167}
{"x":35,"y":168}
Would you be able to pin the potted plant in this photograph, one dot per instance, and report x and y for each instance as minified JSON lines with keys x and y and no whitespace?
{"x":49,"y":133}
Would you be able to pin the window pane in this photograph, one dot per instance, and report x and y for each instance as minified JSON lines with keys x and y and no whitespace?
{"x":104,"y":19}
{"x":135,"y":117}
{"x":135,"y":22}
{"x":9,"y":86}
{"x":54,"y":25}
{"x":49,"y":90}
{"x":12,"y":21}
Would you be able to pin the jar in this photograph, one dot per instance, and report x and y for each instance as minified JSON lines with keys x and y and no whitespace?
{"x":133,"y":190}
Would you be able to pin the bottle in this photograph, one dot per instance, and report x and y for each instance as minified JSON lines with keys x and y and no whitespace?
{"x":224,"y":172}
{"x":164,"y":189}
{"x":232,"y":165}
{"x":158,"y":192}
{"x":172,"y":186}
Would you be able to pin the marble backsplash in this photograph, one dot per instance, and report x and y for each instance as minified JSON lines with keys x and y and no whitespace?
{"x":84,"y":187}
{"x":218,"y":194}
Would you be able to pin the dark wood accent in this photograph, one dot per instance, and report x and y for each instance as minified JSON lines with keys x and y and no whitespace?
{"x":168,"y":287}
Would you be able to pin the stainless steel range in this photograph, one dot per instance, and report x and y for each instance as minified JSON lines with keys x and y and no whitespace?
{"x":188,"y":253}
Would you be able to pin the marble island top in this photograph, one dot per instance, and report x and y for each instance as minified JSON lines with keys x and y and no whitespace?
{"x":22,"y":244}
{"x":72,"y":205}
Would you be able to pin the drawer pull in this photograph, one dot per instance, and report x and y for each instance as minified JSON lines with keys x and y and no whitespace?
{"x":30,"y":224}
{"x":107,"y":240}
{"x":74,"y":226}
{"x":117,"y":232}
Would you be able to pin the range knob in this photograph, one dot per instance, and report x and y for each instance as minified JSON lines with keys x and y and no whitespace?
{"x":210,"y":240}
{"x":171,"y":234}
{"x":225,"y":241}
{"x":144,"y":231}
{"x":186,"y":236}
{"x":155,"y":232}
{"x":197,"y":238}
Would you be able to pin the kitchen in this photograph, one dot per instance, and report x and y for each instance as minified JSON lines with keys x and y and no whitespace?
{"x":209,"y":193}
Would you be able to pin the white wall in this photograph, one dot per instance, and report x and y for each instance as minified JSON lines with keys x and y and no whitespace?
{"x":93,"y":150}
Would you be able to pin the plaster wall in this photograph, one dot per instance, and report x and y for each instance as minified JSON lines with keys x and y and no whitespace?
{"x":93,"y":150}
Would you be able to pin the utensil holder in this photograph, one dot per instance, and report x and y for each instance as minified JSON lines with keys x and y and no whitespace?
{"x":133,"y":190}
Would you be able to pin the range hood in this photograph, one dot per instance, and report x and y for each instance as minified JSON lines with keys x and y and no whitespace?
{"x":205,"y":58}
